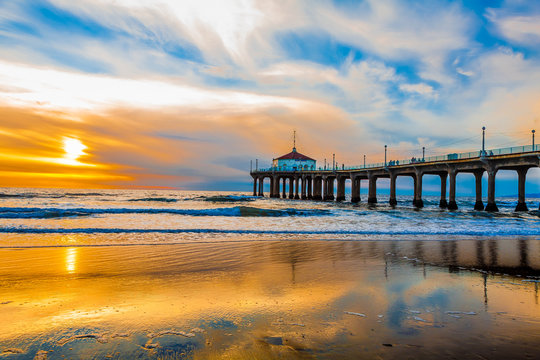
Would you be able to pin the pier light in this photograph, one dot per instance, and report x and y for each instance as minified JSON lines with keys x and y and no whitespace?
{"x":483,"y":140}
{"x":533,"y":139}
{"x":385,"y":147}
{"x":364,"y":160}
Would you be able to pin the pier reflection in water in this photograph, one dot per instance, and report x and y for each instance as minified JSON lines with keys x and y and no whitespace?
{"x":302,"y":299}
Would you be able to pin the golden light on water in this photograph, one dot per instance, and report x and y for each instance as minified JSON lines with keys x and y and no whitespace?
{"x":71,"y":260}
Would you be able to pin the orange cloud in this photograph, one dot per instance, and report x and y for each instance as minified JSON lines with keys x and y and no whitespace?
{"x":173,"y":147}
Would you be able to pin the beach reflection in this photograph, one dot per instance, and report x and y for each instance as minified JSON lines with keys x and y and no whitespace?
{"x":303,"y":299}
{"x":71,"y":260}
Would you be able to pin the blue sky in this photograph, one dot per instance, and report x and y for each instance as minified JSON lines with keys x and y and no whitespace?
{"x":137,"y":81}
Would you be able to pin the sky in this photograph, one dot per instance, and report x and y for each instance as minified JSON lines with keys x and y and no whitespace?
{"x":184,"y":94}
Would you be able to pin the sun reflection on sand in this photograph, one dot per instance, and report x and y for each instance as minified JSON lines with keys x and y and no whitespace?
{"x":71,"y":260}
{"x":312,"y":298}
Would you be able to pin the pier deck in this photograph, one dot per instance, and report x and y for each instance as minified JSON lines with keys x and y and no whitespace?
{"x":319,"y":184}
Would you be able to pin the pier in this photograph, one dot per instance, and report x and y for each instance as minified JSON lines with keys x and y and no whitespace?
{"x":319,"y":184}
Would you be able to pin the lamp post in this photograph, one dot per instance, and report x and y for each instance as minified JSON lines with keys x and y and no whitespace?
{"x":385,"y":147}
{"x":324,"y":163}
{"x":256,"y":164}
{"x":364,"y":161}
{"x":333,"y":162}
{"x":533,"y":139}
{"x":423,"y":153}
{"x":483,"y":140}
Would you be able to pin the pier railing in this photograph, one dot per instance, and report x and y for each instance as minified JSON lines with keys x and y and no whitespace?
{"x":429,"y":159}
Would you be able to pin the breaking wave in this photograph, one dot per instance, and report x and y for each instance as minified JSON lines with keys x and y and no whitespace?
{"x":228,"y":198}
{"x":29,"y":195}
{"x":155,"y":199}
{"x":237,"y":211}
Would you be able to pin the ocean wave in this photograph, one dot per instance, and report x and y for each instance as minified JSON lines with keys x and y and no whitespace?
{"x":48,"y":196}
{"x":442,"y":232}
{"x":8,"y":196}
{"x":237,"y":211}
{"x":85,"y":194}
{"x":156,"y":199}
{"x":228,"y":198}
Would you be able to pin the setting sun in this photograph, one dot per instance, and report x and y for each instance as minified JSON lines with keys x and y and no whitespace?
{"x":73,"y":148}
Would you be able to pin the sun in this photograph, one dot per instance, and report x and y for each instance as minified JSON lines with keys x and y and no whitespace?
{"x":73,"y":149}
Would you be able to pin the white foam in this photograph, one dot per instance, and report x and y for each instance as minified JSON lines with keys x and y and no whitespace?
{"x":355,"y":313}
{"x":460,"y":312}
{"x":102,"y":338}
{"x":170,"y":332}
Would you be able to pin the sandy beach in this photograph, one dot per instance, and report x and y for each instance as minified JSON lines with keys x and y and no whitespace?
{"x":271,"y":299}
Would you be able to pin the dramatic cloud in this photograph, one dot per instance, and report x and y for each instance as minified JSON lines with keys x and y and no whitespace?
{"x":186,"y":93}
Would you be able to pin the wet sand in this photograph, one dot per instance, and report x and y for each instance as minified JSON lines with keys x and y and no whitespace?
{"x":269,"y":299}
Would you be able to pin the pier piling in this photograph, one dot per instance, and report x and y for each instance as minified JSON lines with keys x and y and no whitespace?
{"x":393,"y":199}
{"x":372,"y":188}
{"x":443,"y":204}
{"x":521,"y":205}
{"x":491,"y":205}
{"x":452,"y":194}
{"x":478,"y":205}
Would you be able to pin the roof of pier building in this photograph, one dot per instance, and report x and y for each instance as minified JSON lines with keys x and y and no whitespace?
{"x":294,"y":155}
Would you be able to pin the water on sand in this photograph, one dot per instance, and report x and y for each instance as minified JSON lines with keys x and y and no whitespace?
{"x":179,"y":275}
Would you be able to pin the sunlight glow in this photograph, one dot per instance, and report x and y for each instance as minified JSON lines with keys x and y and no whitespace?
{"x":71,"y":260}
{"x":49,"y":89}
{"x":74,"y":148}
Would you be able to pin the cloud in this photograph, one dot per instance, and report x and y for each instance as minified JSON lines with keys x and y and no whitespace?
{"x":425,"y":33}
{"x":47,"y":88}
{"x":186,"y":93}
{"x":522,"y":29}
{"x":422,"y":89}
{"x":464,"y":72}
{"x":220,"y":38}
{"x":123,"y":141}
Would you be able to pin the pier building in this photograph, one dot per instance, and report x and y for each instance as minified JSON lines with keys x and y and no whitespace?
{"x":294,"y":161}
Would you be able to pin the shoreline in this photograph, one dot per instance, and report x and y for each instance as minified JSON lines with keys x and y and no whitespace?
{"x":364,"y":238}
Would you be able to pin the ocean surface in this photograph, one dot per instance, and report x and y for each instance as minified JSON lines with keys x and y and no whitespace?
{"x":180,"y":216}
{"x":133,"y":274}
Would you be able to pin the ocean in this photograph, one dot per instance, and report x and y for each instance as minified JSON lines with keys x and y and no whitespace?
{"x":27,"y":215}
{"x":163,"y":274}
